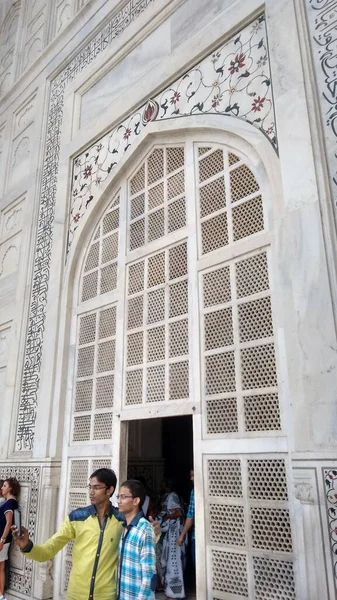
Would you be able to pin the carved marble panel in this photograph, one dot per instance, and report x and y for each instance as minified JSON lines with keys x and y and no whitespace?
{"x":29,"y":478}
{"x":2,"y":139}
{"x":25,"y":114}
{"x":7,"y":44}
{"x":11,"y":219}
{"x":322,"y":20}
{"x":36,"y":23}
{"x":37,"y":314}
{"x":4,"y":344}
{"x":9,"y":256}
{"x":20,"y":156}
{"x":63,"y":15}
{"x":233,"y":81}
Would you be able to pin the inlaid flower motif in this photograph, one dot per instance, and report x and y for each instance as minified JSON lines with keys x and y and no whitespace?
{"x":175,"y":98}
{"x":216,"y":100}
{"x":77,"y":217}
{"x":99,"y":147}
{"x":237,"y":63}
{"x":270,"y":130}
{"x":258,"y":104}
{"x":87,"y":171}
{"x":75,"y":192}
{"x":262,"y":61}
{"x":215,"y":57}
{"x":127,"y":133}
{"x":98,"y":180}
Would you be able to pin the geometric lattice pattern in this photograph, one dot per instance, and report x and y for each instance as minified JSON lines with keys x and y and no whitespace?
{"x":230,"y":203}
{"x":246,"y":529}
{"x":240,"y":375}
{"x":156,"y":197}
{"x":94,"y":386}
{"x":157,"y":338}
{"x":100,"y":267}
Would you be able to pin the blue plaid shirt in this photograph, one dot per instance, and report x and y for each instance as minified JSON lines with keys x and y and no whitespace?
{"x":190,"y":512}
{"x":137,"y":561}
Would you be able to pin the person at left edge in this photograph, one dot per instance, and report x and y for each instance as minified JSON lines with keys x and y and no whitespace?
{"x":96,"y":530}
{"x":10,"y":490}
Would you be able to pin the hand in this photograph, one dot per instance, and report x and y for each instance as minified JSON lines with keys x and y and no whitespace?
{"x":180,"y":540}
{"x":23,"y":540}
{"x":156,"y":528}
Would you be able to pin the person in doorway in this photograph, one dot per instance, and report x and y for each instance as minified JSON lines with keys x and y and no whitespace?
{"x":189,"y":523}
{"x":136,"y":575}
{"x":172,"y":560}
{"x":96,"y":530}
{"x":10,"y":490}
{"x":147,"y":506}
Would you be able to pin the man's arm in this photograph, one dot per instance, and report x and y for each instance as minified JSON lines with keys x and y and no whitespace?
{"x":51,"y":547}
{"x":148,"y":566}
{"x":188,"y":525}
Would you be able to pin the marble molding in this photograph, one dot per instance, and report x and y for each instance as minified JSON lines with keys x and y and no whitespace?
{"x":234,"y":81}
{"x":330,"y":480}
{"x":322,"y":20}
{"x":41,"y":270}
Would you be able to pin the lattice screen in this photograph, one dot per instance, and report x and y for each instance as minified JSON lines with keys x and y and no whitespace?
{"x":156,"y":197}
{"x":248,"y":528}
{"x":157,"y":340}
{"x":80,"y":471}
{"x":230,"y":202}
{"x":92,"y":413}
{"x":239,"y":358}
{"x":100,"y":266}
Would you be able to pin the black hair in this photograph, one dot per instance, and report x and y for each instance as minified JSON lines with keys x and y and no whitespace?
{"x":136,"y":489}
{"x":142,"y":479}
{"x":171,"y":484}
{"x":106,"y":476}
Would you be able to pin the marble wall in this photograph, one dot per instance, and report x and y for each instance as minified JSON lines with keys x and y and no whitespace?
{"x":79,"y":80}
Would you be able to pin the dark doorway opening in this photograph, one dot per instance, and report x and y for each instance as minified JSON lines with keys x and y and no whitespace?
{"x":164,"y":447}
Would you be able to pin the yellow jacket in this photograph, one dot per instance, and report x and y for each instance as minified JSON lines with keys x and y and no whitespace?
{"x":95,"y":552}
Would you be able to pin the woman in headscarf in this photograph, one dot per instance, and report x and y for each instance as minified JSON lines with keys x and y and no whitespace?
{"x":172,"y":561}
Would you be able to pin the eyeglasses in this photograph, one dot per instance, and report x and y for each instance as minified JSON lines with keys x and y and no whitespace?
{"x":122,"y":496}
{"x":96,"y":487}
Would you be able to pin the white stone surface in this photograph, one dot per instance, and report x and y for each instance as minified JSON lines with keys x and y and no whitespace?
{"x":145,"y":57}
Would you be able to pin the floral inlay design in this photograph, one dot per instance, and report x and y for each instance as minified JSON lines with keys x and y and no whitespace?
{"x":330,"y":478}
{"x":234,"y":81}
{"x":41,"y":273}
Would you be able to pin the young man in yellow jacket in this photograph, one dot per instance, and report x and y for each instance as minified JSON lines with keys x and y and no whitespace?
{"x":96,"y":530}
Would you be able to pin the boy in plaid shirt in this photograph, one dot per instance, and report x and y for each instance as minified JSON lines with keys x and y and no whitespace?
{"x":137,"y":557}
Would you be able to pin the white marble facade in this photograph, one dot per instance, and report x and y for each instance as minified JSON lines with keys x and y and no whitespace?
{"x":194,"y":143}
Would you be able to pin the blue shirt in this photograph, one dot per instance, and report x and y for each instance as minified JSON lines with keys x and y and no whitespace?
{"x":137,"y":561}
{"x":8,"y":506}
{"x":190,"y":512}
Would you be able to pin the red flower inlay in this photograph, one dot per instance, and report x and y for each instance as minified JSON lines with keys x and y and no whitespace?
{"x":148,"y":113}
{"x":87,"y":171}
{"x":237,"y":63}
{"x":77,"y":217}
{"x":258,"y":104}
{"x":175,"y":98}
{"x":127,"y":133}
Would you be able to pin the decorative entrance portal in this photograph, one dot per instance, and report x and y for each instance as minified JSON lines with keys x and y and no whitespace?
{"x":175,"y":316}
